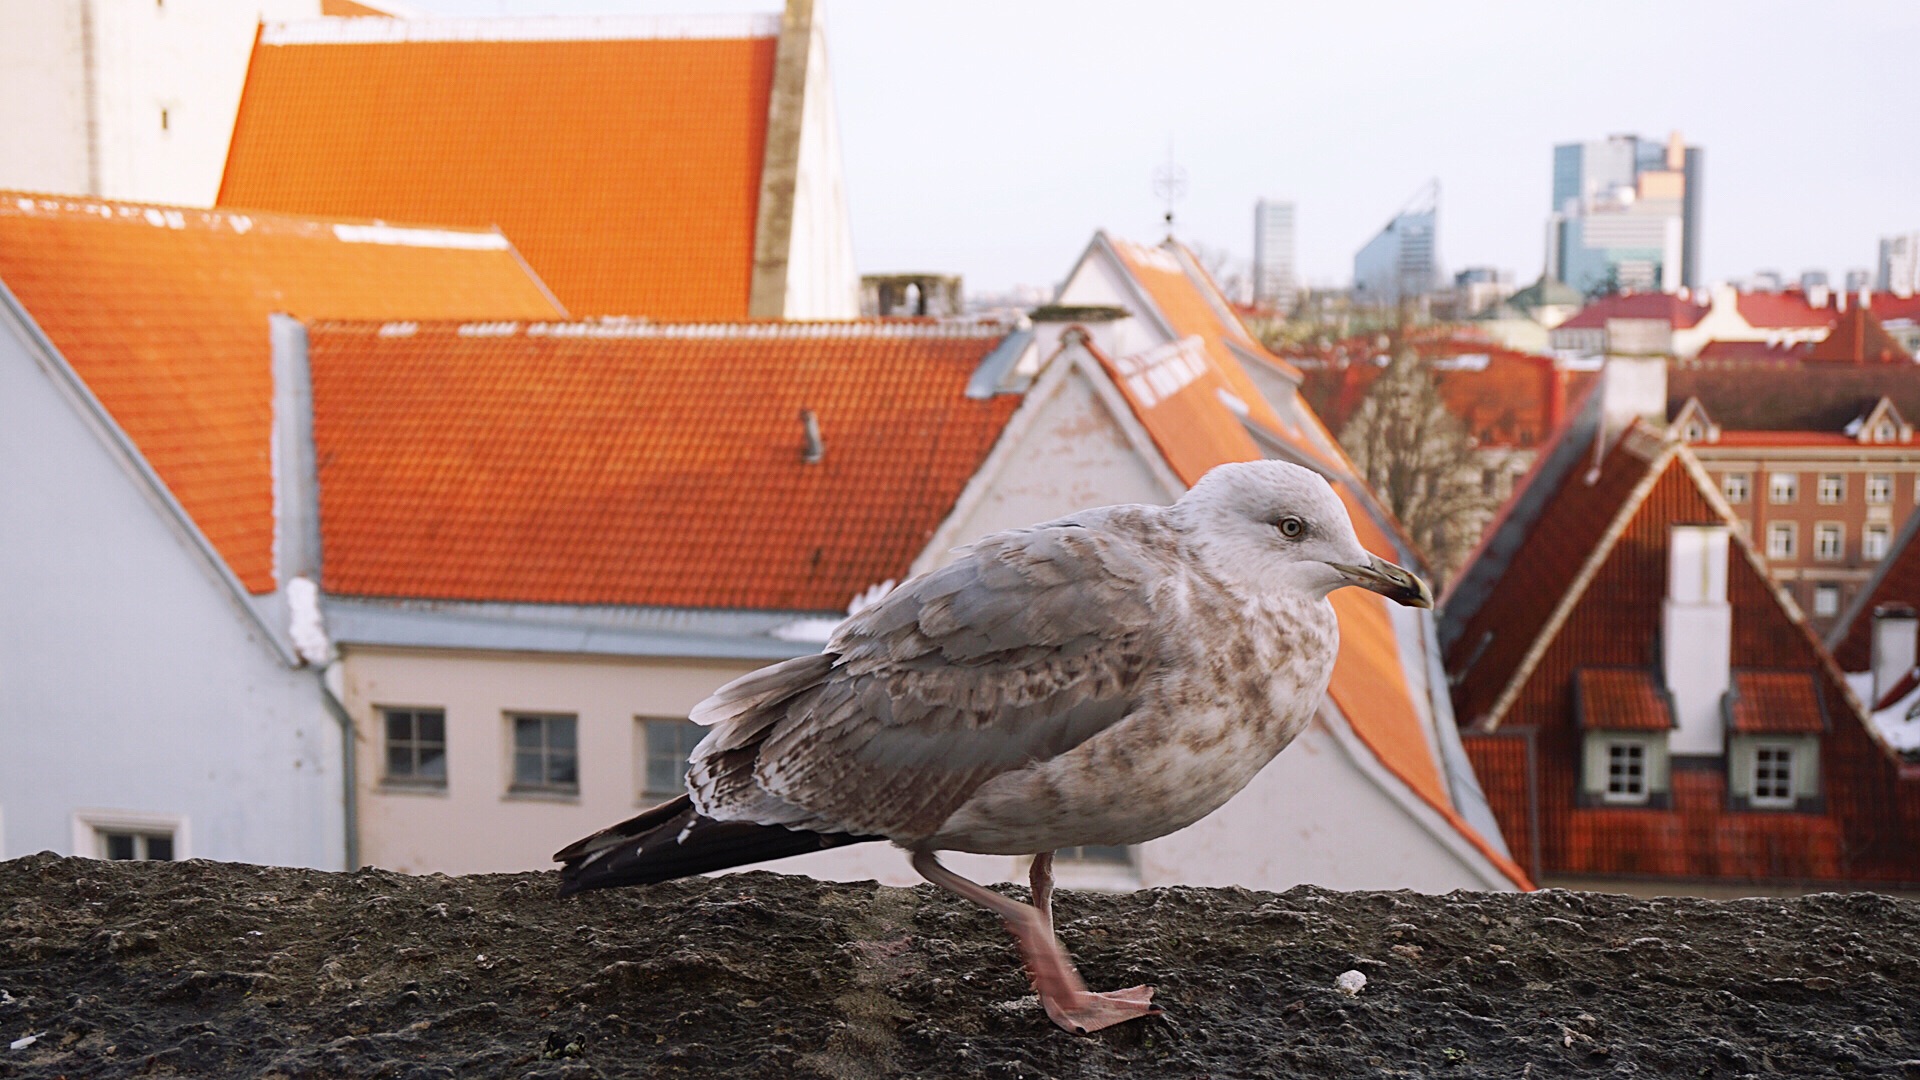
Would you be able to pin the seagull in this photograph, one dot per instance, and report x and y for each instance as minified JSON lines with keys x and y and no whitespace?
{"x":1105,"y":678}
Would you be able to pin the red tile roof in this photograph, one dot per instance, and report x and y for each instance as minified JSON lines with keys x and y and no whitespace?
{"x":1776,"y":703}
{"x":1888,"y":306}
{"x":1748,"y":352}
{"x":1858,"y":338}
{"x":641,"y":464}
{"x":1868,"y":829}
{"x":1620,"y":699}
{"x":1800,"y":397}
{"x":623,"y":160}
{"x":1787,"y":310}
{"x":1677,"y":312}
{"x":1504,"y":398}
{"x":1896,"y":582}
{"x":163,"y":311}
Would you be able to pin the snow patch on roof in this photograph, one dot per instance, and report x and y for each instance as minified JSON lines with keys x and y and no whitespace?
{"x":819,"y":630}
{"x":379,"y":31}
{"x":381,"y":233}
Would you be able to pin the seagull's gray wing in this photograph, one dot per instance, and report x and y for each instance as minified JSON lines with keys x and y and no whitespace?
{"x":1029,"y":644}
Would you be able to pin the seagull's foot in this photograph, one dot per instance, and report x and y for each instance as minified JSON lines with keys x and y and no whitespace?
{"x":1086,"y":1011}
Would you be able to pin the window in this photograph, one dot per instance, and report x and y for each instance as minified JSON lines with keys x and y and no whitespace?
{"x":115,"y":844}
{"x":1874,"y":542}
{"x":1695,"y":432}
{"x":1833,"y":488}
{"x":1772,"y":776}
{"x":1826,"y":600}
{"x":416,"y":746}
{"x":664,"y":747}
{"x":544,"y":755}
{"x":1780,"y":540}
{"x":1734,"y":486}
{"x":1626,"y":772}
{"x":1829,"y":541}
{"x":1489,"y":482}
{"x":1880,"y":488}
{"x":1884,"y":431}
{"x":1783,"y":487}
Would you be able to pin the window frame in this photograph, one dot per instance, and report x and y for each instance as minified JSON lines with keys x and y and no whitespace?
{"x":1786,"y":763}
{"x":1825,"y":531}
{"x":1831,"y":489}
{"x":1829,"y":592}
{"x":414,"y":745}
{"x":548,"y":750}
{"x":1879,"y":489}
{"x":1612,"y":751}
{"x":1875,"y":541}
{"x":1740,"y":497}
{"x":1782,"y":530}
{"x":1783,"y":488}
{"x":644,"y":757}
{"x":91,"y":828}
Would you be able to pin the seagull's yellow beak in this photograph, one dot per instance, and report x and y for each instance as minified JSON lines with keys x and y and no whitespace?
{"x":1395,"y":583}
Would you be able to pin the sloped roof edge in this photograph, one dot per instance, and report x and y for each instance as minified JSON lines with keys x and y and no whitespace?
{"x":336,"y":30}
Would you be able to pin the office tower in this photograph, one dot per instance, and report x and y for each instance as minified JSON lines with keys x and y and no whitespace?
{"x":1900,"y":264}
{"x":1273,"y":277}
{"x":1403,"y":261}
{"x":1626,"y":214}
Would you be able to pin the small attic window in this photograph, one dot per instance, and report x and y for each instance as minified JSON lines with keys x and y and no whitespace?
{"x":1695,"y":432}
{"x":1884,"y":431}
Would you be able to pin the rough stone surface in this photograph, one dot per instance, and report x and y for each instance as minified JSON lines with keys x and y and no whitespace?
{"x":210,"y":969}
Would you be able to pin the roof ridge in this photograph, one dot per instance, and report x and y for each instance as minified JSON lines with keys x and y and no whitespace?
{"x":1629,"y":506}
{"x":24,"y":204}
{"x":376,"y":30}
{"x":636,"y":329}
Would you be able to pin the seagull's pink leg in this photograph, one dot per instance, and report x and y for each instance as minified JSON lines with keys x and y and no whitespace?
{"x":1066,"y":998}
{"x":1040,"y":877}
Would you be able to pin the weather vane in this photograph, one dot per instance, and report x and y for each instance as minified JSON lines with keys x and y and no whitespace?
{"x":1170,"y":185}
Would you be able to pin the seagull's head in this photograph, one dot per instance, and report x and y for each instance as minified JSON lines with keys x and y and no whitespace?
{"x":1272,"y":525}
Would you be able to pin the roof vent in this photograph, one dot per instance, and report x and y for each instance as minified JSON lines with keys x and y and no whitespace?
{"x":815,"y":449}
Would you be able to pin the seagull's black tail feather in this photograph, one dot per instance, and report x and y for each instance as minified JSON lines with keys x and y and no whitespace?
{"x":674,"y":840}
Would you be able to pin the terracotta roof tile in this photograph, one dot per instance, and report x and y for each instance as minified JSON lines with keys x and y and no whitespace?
{"x":1677,"y":312}
{"x":1786,"y":310}
{"x":1800,"y":397}
{"x":626,"y":167}
{"x":590,"y":463}
{"x":163,"y":311}
{"x":1620,"y":699}
{"x":1888,"y":306}
{"x":1530,"y":766}
{"x":1775,"y":703}
{"x":1858,"y":338}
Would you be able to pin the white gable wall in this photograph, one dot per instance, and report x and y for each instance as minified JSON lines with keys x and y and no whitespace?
{"x":822,"y":281}
{"x":135,"y":685}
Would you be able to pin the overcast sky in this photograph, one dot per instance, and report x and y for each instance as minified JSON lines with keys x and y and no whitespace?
{"x":992,"y":137}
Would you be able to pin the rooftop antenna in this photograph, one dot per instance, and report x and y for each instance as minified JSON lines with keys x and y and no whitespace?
{"x":1170,"y":185}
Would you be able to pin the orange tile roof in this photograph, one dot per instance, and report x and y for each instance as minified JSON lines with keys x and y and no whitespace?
{"x":1785,"y":310}
{"x":1675,"y":311}
{"x":641,"y":464}
{"x":624,"y":162}
{"x":1620,"y":699}
{"x":163,"y":311}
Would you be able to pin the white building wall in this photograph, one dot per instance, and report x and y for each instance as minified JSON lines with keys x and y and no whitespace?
{"x":135,"y":686}
{"x":117,"y":65}
{"x":822,"y":280}
{"x":43,"y":96}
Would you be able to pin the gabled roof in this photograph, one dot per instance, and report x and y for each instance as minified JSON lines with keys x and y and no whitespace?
{"x":641,"y":464}
{"x":1858,"y":338}
{"x":1785,"y":310}
{"x":1895,"y":582}
{"x":1799,"y":397}
{"x":1503,"y":397}
{"x":623,"y":155}
{"x":163,"y":312}
{"x":1620,"y":699}
{"x":1677,"y":312}
{"x":1775,"y":703}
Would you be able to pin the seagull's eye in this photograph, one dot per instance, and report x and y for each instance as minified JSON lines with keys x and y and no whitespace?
{"x":1291,"y":527}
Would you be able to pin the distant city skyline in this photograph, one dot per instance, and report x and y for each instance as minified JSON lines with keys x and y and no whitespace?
{"x":990,"y":140}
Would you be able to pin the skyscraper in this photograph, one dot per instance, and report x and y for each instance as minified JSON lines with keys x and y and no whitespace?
{"x":1899,"y":264}
{"x":1404,"y":259}
{"x":1626,"y":213}
{"x":1273,"y":279}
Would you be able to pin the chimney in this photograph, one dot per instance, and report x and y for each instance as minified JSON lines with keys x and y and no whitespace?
{"x":1896,"y":630}
{"x":1631,"y":388}
{"x":1696,"y":637}
{"x":1818,"y":295}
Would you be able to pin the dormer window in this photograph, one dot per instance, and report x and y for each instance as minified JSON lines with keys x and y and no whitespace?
{"x":1884,"y":431}
{"x":1772,"y":776}
{"x":1695,"y":431}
